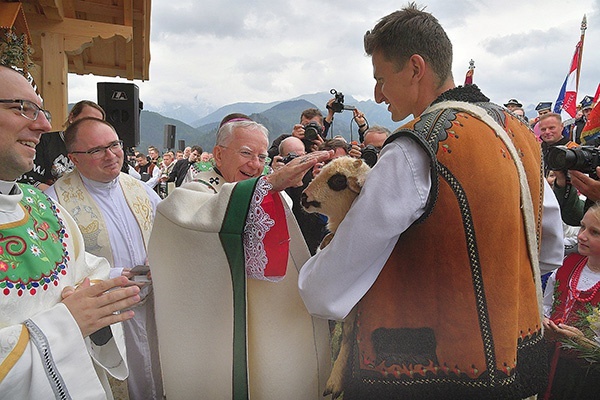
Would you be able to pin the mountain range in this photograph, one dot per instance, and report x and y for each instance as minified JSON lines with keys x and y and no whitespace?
{"x":278,"y":117}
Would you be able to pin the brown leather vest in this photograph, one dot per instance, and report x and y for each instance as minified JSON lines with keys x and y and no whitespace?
{"x":454,"y":312}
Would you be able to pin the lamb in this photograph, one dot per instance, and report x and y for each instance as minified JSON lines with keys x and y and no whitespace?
{"x":331,"y":193}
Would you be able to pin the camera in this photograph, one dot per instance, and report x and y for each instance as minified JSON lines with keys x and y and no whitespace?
{"x":312,"y":130}
{"x":289,"y":157}
{"x":370,"y":154}
{"x":338,"y":104}
{"x":583,"y":158}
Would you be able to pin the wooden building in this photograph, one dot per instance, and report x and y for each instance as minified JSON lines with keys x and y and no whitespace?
{"x":100,"y":37}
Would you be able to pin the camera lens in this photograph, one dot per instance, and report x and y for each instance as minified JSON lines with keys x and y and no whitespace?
{"x":311,"y":131}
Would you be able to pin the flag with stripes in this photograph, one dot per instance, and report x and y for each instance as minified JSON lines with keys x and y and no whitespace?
{"x":566,"y":103}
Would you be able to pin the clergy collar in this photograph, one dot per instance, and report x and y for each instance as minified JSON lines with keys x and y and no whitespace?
{"x":95,"y":185}
{"x":9,"y":187}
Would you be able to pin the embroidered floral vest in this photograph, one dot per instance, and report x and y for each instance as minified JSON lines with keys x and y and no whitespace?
{"x":33,"y":255}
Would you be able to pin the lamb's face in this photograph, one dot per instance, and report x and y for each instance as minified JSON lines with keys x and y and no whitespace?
{"x":332,"y":192}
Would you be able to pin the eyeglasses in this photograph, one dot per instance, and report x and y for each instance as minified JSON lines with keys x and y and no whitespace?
{"x":29,"y":109}
{"x":262,"y":158}
{"x":98,"y":152}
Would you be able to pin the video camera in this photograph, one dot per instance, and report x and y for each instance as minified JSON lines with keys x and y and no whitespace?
{"x":582,"y":158}
{"x":338,"y":104}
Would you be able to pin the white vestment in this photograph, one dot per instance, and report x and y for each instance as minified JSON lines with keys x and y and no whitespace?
{"x":42,"y":351}
{"x":207,"y":240}
{"x":128,"y":250}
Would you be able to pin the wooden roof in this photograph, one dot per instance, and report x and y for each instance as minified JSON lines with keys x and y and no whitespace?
{"x":102,"y":37}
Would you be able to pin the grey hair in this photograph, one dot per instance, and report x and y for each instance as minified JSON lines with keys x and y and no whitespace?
{"x":226,"y":131}
{"x":378,"y":128}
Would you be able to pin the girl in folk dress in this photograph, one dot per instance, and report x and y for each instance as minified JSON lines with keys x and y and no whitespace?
{"x":569,"y":292}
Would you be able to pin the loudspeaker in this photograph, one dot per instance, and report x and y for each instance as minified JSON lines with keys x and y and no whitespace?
{"x":121,"y":102}
{"x":169,"y":142}
{"x":181,"y":144}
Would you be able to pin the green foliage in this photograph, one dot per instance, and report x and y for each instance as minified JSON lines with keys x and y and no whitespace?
{"x":15,"y":51}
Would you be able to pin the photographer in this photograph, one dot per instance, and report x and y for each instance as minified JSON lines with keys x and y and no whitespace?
{"x":289,"y":148}
{"x":582,"y":177}
{"x":374,"y":138}
{"x":310,"y":130}
{"x":312,"y":226}
{"x":551,"y":128}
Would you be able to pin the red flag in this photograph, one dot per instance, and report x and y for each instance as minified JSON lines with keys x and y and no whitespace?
{"x":469,"y":76}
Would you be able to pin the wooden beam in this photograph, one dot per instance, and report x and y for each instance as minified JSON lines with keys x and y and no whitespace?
{"x":69,"y":8}
{"x":53,"y":9}
{"x":53,"y":86}
{"x":79,"y":32}
{"x":105,"y":10}
{"x":129,"y":47}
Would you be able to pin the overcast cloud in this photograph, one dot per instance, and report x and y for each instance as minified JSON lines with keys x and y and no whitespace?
{"x":209,"y":54}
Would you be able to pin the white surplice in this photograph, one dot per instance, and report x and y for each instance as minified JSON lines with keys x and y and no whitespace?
{"x":35,"y":320}
{"x":129,"y":250}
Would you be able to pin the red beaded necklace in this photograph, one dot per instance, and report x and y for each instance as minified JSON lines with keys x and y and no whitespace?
{"x":577,"y":294}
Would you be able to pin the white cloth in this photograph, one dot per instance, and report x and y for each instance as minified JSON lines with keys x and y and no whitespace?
{"x":393,"y":197}
{"x":72,"y":354}
{"x":129,"y":250}
{"x":288,"y":354}
{"x":153,"y":181}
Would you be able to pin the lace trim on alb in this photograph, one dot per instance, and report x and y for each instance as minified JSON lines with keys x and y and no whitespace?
{"x":258,"y":224}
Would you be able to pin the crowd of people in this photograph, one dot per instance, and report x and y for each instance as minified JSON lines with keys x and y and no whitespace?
{"x":191,"y":274}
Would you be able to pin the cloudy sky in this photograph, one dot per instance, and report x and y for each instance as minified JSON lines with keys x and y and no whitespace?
{"x":208,"y":54}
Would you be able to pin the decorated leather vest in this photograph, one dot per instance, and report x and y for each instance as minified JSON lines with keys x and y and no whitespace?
{"x":73,"y":196}
{"x":455,"y":313}
{"x":33,"y":255}
{"x":569,"y":301}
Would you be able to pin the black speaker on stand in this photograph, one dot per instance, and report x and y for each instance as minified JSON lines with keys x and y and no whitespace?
{"x":121,"y":102}
{"x":169,"y":143}
{"x":181,"y":145}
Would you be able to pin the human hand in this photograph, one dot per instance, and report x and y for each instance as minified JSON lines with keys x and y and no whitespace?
{"x":277,"y":162}
{"x":291,"y":174}
{"x":359,"y":117}
{"x":557,"y":330}
{"x":354,"y":151}
{"x":298,"y":131}
{"x":330,"y":111}
{"x":129,"y":275}
{"x":587,"y":186}
{"x":316,"y":143}
{"x":559,"y":178}
{"x":94,"y":307}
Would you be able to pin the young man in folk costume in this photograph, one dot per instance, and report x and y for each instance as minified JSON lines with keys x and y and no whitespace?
{"x":439,"y":253}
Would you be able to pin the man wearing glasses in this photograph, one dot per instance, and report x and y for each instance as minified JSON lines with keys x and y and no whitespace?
{"x":115,"y":213}
{"x":241,"y":328}
{"x":45,"y":325}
